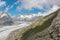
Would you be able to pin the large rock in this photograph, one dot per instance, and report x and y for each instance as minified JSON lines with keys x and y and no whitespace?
{"x":54,"y":29}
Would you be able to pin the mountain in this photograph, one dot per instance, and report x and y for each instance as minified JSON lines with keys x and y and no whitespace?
{"x":27,"y":18}
{"x":47,"y":28}
{"x":5,"y":19}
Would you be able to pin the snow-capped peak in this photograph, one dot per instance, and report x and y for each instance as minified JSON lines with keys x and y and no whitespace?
{"x":27,"y":16}
{"x":3,"y":14}
{"x":30,"y":16}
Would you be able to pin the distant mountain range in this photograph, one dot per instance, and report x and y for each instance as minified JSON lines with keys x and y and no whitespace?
{"x":6,"y":19}
{"x":27,"y":18}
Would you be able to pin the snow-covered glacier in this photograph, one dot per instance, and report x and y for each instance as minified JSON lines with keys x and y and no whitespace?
{"x":5,"y":31}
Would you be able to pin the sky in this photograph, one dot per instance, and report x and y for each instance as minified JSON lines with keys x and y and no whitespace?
{"x":15,"y":7}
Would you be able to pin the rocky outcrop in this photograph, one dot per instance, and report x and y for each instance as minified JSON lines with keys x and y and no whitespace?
{"x":54,"y":29}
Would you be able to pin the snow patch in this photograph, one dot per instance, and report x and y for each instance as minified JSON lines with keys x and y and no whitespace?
{"x":3,"y":15}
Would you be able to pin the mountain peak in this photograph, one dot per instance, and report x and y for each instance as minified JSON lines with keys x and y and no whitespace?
{"x":3,"y":14}
{"x":5,"y":18}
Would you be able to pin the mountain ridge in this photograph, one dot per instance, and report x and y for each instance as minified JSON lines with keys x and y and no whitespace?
{"x":38,"y":30}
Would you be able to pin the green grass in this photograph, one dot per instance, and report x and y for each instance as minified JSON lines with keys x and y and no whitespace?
{"x":42,"y":24}
{"x":38,"y":28}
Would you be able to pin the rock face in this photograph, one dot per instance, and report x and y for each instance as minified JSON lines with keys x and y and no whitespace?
{"x":54,"y":29}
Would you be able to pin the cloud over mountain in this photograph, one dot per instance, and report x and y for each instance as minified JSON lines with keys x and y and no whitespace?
{"x":29,"y":4}
{"x":15,"y":7}
{"x":54,"y":2}
{"x":2,"y":3}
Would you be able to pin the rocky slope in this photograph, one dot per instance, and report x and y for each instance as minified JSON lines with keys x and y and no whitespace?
{"x":42,"y":31}
{"x":47,"y":28}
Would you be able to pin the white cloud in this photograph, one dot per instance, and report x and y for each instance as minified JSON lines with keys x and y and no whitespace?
{"x":18,"y":1}
{"x":7,"y":8}
{"x":29,"y":4}
{"x":53,"y":9}
{"x":19,"y":8}
{"x":11,"y":6}
{"x":54,"y":2}
{"x":2,"y":3}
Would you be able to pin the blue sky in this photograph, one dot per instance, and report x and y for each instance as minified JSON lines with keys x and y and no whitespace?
{"x":15,"y":7}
